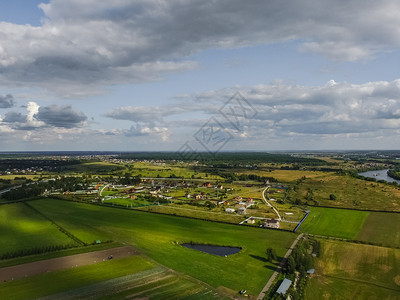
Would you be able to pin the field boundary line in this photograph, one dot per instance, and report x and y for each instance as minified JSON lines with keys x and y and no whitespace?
{"x":59,"y":227}
{"x":356,"y":209}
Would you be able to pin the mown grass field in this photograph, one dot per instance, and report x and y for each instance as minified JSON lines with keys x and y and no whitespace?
{"x":372,"y":227}
{"x":22,"y":228}
{"x":350,"y":193}
{"x":155,"y":235}
{"x":334,"y":222}
{"x":354,"y":271}
{"x":382,"y":229}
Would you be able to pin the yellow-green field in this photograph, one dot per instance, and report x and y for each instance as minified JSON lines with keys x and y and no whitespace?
{"x":287,"y":175}
{"x":353,"y":271}
{"x":350,"y":193}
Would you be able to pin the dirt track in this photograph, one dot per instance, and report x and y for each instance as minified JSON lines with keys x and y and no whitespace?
{"x":66,"y":262}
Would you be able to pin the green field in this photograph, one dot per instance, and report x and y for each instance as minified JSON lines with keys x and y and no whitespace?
{"x":156,"y":236}
{"x":353,"y":271}
{"x":370,"y":227}
{"x":334,"y":222}
{"x":22,"y":228}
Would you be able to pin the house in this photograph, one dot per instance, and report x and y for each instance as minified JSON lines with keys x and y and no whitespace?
{"x":285,"y":285}
{"x":133,"y":197}
{"x":229,"y":210}
{"x":251,"y":220}
{"x":220,"y":187}
{"x":271,"y":223}
{"x":199,"y":197}
{"x":187,"y":195}
{"x":206,"y":184}
{"x":242,"y":210}
{"x":249,"y":200}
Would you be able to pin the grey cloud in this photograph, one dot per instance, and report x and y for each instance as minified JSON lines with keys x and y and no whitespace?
{"x":60,"y":116}
{"x":14,"y":117}
{"x":87,"y":44}
{"x":6,"y":101}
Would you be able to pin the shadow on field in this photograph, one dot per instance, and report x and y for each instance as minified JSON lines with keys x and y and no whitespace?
{"x":263,"y":259}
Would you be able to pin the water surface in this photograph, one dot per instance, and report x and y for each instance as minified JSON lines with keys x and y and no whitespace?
{"x":379,"y":175}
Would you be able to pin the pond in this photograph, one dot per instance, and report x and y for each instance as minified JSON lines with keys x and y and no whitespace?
{"x":211,"y":249}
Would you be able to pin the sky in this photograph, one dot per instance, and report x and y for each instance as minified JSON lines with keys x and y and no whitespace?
{"x":193,"y":76}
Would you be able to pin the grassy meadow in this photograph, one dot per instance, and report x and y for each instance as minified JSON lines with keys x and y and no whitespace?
{"x":350,"y":193}
{"x":156,"y":236}
{"x":334,"y":222}
{"x":354,"y":271}
{"x":22,"y":228}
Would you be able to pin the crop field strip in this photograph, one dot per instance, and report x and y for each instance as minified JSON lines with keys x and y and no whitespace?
{"x":66,"y":262}
{"x":69,"y":279}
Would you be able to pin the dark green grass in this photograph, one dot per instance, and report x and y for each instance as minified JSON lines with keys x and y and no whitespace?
{"x":156,"y":235}
{"x":334,"y":222}
{"x":22,"y":228}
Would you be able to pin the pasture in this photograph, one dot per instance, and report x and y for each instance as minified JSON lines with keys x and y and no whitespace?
{"x":382,"y":229}
{"x":354,"y":271}
{"x":334,"y":222}
{"x":350,"y":193}
{"x":22,"y":228}
{"x":157,"y":237}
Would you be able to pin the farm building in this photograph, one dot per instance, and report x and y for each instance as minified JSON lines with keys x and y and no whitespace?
{"x":242,"y":210}
{"x":229,"y":210}
{"x":271,"y":223}
{"x":285,"y":285}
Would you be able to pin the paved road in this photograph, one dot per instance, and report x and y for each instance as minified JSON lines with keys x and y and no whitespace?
{"x":278,"y":269}
{"x":266,"y":201}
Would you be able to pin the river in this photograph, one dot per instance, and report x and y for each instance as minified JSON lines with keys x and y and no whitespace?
{"x":379,"y":175}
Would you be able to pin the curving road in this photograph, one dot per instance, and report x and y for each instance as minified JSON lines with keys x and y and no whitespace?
{"x":269,"y":204}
